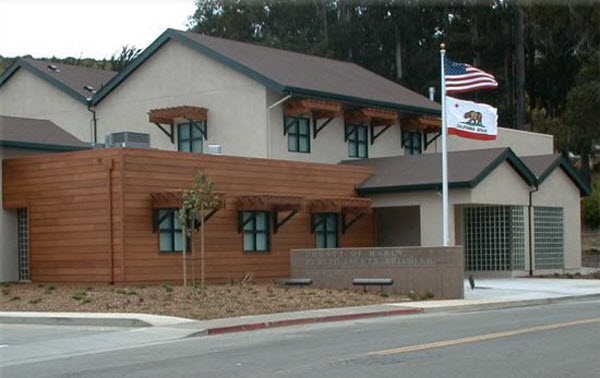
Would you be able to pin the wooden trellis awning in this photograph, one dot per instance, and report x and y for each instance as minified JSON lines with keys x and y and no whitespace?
{"x":269,"y":202}
{"x":168,"y":115}
{"x":372,"y":117}
{"x":354,"y":205}
{"x":319,"y":109}
{"x":422,"y":123}
{"x":172,"y":199}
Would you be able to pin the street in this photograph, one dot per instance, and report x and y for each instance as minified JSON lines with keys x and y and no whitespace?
{"x":552,"y":341}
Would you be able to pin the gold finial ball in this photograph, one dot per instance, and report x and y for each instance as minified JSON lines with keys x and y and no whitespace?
{"x":443,"y":46}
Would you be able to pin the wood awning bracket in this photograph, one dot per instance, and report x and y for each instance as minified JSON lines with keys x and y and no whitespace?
{"x":156,"y":220}
{"x":428,"y":142}
{"x":314,"y":223}
{"x":241,"y":222}
{"x":316,"y":129}
{"x":170,"y":134}
{"x":286,"y":128}
{"x":376,"y":135}
{"x":278,"y":223}
{"x":203,"y":129}
{"x":347,"y":223}
{"x":350,"y":129}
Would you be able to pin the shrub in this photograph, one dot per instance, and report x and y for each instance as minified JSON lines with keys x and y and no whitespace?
{"x":383,"y":294}
{"x":590,"y":208}
{"x":36,"y":300}
{"x":79,"y":295}
{"x":412,"y":295}
{"x":167,"y":288}
{"x":15,"y":298}
{"x":428,"y":295}
{"x":86,"y":300}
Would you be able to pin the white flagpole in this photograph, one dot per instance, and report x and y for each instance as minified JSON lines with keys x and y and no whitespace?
{"x":445,"y":240}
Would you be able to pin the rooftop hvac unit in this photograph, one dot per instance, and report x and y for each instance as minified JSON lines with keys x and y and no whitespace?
{"x":128,"y":139}
{"x":215,"y":149}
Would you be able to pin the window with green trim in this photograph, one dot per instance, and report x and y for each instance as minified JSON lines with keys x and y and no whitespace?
{"x":169,"y":231}
{"x":357,"y":136}
{"x":326,"y":230}
{"x":298,"y":132}
{"x":256,"y":231}
{"x":190,"y":136}
{"x":412,"y":143}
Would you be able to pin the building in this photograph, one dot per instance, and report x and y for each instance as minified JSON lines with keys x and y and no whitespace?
{"x":351,"y":157}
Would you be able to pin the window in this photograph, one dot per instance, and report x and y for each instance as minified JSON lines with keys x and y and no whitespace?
{"x":169,"y":231}
{"x":412,"y":143}
{"x":326,"y":230}
{"x":190,"y":135}
{"x":357,"y":140}
{"x":298,"y":132}
{"x":256,"y":231}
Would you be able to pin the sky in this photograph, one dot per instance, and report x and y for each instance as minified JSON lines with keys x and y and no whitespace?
{"x":86,"y":28}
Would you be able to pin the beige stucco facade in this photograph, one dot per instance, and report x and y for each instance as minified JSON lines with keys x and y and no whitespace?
{"x":503,"y":186}
{"x":28,"y":96}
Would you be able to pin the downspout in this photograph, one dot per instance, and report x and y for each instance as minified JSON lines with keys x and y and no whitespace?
{"x":94,"y":122}
{"x":531,"y":229}
{"x":282,"y":100}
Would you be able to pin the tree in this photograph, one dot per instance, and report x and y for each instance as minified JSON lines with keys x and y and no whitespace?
{"x":196,"y":203}
{"x":118,"y":61}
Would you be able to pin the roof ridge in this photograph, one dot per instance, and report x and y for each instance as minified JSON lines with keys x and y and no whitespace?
{"x":43,"y":60}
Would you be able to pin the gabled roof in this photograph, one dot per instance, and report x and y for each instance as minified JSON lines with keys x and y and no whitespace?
{"x":39,"y":134}
{"x":68,"y":78}
{"x":543,"y":165}
{"x":466,"y":169}
{"x":290,"y":72}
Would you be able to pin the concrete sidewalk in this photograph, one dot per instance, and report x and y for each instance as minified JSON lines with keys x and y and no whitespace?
{"x":489,"y":293}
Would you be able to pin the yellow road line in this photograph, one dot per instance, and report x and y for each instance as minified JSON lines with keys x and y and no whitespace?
{"x":489,"y":336}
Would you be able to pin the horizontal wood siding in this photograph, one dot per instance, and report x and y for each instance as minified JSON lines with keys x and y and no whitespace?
{"x":67,"y":196}
{"x":149,"y":171}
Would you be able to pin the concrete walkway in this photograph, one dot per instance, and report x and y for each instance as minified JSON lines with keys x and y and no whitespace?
{"x":489,"y":293}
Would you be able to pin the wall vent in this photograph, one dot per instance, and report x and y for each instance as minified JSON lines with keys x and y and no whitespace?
{"x":215,"y":149}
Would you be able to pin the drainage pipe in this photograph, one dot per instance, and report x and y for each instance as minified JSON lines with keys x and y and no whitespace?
{"x":531,"y":229}
{"x":282,"y":100}
{"x":94,"y":123}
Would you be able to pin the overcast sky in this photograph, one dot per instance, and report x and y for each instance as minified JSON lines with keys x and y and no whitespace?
{"x":85,"y":28}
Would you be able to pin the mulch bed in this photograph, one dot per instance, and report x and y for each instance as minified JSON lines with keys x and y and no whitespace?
{"x":214,"y":301}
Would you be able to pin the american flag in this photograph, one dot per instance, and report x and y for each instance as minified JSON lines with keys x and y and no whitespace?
{"x":462,"y":77}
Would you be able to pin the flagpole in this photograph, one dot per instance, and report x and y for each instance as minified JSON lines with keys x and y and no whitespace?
{"x":445,"y":240}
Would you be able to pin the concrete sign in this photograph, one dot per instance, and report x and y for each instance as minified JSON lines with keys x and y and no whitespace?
{"x":438,"y":270}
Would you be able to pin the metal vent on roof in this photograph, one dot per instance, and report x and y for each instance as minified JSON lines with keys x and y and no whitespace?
{"x":128,"y":139}
{"x":53,"y":67}
{"x":89,"y":88}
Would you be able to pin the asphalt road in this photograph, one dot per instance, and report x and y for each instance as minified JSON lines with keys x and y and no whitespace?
{"x":559,"y":340}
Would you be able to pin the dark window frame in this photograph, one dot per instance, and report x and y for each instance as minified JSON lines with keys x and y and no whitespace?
{"x":249,"y":227}
{"x":353,"y":134}
{"x":293,"y":130}
{"x":320,"y":225}
{"x":409,"y":145}
{"x":175,"y":232}
{"x":200,"y":126}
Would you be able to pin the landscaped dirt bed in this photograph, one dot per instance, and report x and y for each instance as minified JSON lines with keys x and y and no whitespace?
{"x":215,"y":301}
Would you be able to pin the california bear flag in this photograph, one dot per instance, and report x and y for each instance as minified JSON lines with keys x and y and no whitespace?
{"x":471,"y":120}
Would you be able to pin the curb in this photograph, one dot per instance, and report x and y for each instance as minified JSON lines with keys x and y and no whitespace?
{"x":74,"y":321}
{"x":292,"y":322}
{"x":511,"y":304}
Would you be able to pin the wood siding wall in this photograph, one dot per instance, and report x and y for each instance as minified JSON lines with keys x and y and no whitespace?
{"x":67,"y":195}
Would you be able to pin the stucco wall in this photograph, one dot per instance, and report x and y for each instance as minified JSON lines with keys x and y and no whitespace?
{"x":26,"y":95}
{"x":558,"y":190}
{"x":523,"y":143}
{"x":8,"y":224}
{"x":177,"y":75}
{"x":503,"y":186}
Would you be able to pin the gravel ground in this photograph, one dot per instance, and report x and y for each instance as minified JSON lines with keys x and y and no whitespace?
{"x":215,"y":301}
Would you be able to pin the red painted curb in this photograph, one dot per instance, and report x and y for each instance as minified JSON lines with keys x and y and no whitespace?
{"x":323,"y":319}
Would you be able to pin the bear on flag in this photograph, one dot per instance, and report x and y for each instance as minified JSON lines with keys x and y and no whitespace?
{"x":470,"y":119}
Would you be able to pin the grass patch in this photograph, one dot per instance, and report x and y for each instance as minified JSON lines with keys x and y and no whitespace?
{"x":79,"y":295}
